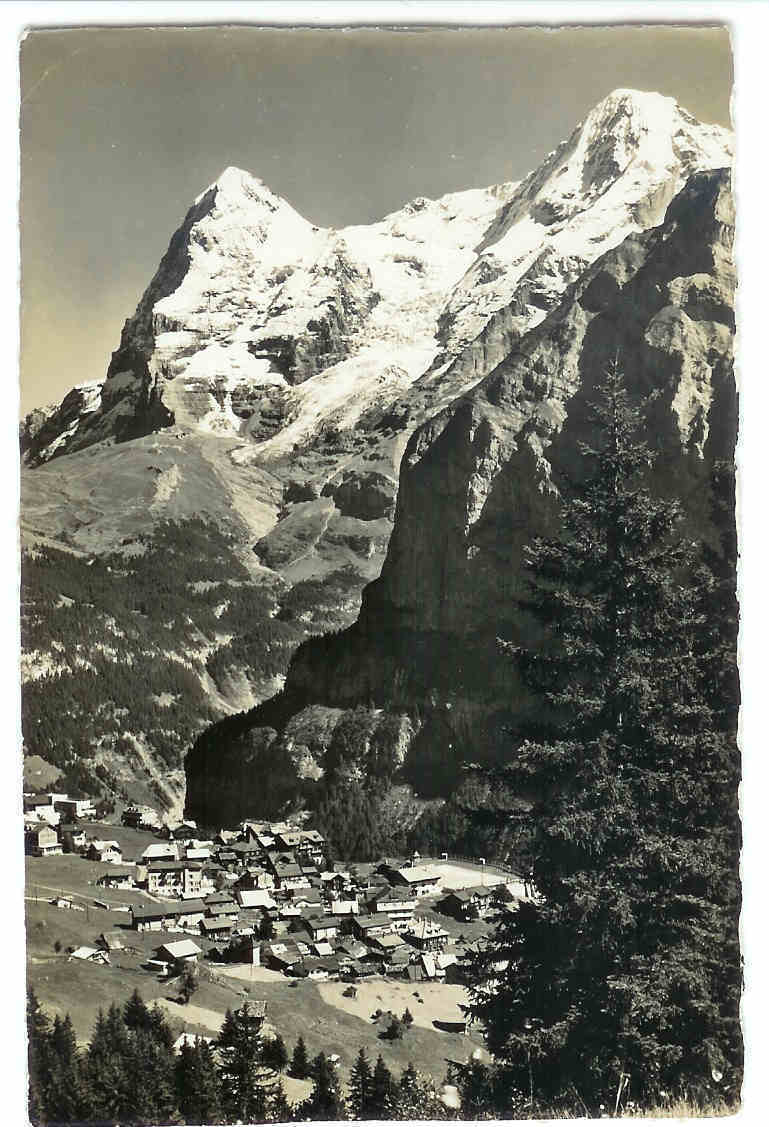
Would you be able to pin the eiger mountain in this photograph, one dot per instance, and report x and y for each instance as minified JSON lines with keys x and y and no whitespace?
{"x":230,"y":486}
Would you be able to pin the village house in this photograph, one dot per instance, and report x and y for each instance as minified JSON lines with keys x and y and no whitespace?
{"x":351,"y":949}
{"x":364,"y":927}
{"x":427,"y":935}
{"x":255,"y":898}
{"x":157,"y":917}
{"x":72,"y":835}
{"x":218,"y":930}
{"x":334,"y":882}
{"x":389,"y":945}
{"x":111,"y":941}
{"x":288,"y":839}
{"x":420,"y":880}
{"x":181,"y":831}
{"x":281,"y":956}
{"x":90,"y":955}
{"x":116,"y":878}
{"x":320,"y":969}
{"x":221,"y":897}
{"x":322,"y":927}
{"x":107,"y":852}
{"x":290,"y":877}
{"x":397,"y":905}
{"x":174,"y":878}
{"x":255,"y":877}
{"x":246,"y":852}
{"x":218,"y":911}
{"x":141,"y":818}
{"x":39,"y":808}
{"x":72,"y":808}
{"x":344,"y":907}
{"x":179,"y":955}
{"x":161,"y":851}
{"x":41,"y":840}
{"x":311,"y":848}
{"x":466,"y":903}
{"x":309,"y":899}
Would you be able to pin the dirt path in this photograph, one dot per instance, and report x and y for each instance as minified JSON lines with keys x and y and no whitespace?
{"x":193,"y":1015}
{"x":248,"y":973}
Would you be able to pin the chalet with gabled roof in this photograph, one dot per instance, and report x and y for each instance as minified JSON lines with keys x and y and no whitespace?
{"x":108,"y":852}
{"x":41,"y":840}
{"x":157,"y":917}
{"x":463,"y":903}
{"x":364,"y":927}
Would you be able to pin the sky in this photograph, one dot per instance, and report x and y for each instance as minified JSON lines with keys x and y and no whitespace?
{"x":121,"y":128}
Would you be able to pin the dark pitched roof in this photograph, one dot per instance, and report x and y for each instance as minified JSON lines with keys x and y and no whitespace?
{"x":218,"y":898}
{"x":173,"y":866}
{"x":288,"y":870}
{"x":377,"y":919}
{"x":157,"y":911}
{"x":218,"y":924}
{"x":319,"y":922}
{"x":229,"y":908}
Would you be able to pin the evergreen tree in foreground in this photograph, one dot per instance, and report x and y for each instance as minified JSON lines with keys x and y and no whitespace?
{"x":360,"y":1087}
{"x":38,"y":1056}
{"x":383,"y":1090}
{"x":622,"y":980}
{"x":197,"y":1084}
{"x":325,"y":1102}
{"x":250,"y":1090}
{"x":275,"y":1054}
{"x":300,"y":1063}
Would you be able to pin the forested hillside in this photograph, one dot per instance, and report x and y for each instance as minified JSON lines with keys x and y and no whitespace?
{"x":127,"y":656}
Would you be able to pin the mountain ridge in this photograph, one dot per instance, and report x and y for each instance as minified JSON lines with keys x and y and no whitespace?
{"x":274,"y":371}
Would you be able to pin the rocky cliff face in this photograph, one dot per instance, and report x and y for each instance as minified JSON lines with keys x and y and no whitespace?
{"x":481,"y":478}
{"x":476,"y":479}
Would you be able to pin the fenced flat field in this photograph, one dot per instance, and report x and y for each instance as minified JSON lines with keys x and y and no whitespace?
{"x":456,"y":874}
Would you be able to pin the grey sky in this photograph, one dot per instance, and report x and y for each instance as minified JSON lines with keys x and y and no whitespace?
{"x":122,"y":128}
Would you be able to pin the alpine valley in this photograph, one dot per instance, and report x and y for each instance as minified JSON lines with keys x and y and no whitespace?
{"x":275,"y":546}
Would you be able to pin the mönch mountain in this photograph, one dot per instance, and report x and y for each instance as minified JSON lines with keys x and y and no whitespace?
{"x":293,"y":410}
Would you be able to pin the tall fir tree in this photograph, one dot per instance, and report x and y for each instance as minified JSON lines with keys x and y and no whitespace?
{"x":275,"y":1053}
{"x":109,"y":1091}
{"x":136,"y":1014}
{"x":197,"y":1084}
{"x":249,"y":1087}
{"x":325,"y":1102}
{"x":38,"y":1057}
{"x":382,"y":1090}
{"x":65,"y":1097}
{"x":359,"y":1087}
{"x":415,"y":1097}
{"x":300,"y":1062}
{"x":612,"y":980}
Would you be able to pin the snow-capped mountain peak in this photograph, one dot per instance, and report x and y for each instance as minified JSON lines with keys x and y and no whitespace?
{"x":613,"y":176}
{"x":265,"y":327}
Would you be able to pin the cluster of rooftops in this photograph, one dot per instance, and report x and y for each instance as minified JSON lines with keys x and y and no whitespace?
{"x":269,"y":892}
